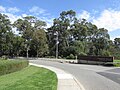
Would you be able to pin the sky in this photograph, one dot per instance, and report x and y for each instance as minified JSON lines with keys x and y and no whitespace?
{"x":103,"y":13}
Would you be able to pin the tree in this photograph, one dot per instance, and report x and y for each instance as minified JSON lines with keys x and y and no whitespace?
{"x":102,"y":41}
{"x":70,"y":29}
{"x":116,"y":48}
{"x":117,"y":42}
{"x":18,"y":45}
{"x":31,"y":29}
{"x":6,"y":35}
{"x":39,"y":39}
{"x":61,"y":25}
{"x":39,"y":42}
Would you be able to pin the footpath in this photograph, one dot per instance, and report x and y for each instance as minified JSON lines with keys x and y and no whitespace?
{"x":65,"y":80}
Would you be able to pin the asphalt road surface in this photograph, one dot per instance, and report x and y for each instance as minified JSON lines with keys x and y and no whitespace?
{"x":92,"y":77}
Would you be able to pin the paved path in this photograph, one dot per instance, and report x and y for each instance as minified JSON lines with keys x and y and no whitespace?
{"x":92,"y":77}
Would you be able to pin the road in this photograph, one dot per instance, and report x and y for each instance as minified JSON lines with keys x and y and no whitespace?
{"x":92,"y":77}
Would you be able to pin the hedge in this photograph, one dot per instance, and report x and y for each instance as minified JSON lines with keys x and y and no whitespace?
{"x":9,"y":66}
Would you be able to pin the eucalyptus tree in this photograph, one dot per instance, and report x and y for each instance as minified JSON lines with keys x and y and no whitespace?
{"x":24,"y":26}
{"x":33,"y":32}
{"x":39,"y":43}
{"x":117,"y":42}
{"x":116,"y":48}
{"x":6,"y":35}
{"x":91,"y":40}
{"x":39,"y":38}
{"x":61,"y":25}
{"x":18,"y":45}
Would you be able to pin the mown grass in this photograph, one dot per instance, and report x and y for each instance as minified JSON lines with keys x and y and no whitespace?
{"x":116,"y":63}
{"x":29,"y":78}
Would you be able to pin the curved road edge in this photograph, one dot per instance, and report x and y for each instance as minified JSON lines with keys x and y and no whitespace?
{"x":66,"y":81}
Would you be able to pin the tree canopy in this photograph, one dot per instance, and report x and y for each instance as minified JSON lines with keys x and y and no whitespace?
{"x":74,"y":37}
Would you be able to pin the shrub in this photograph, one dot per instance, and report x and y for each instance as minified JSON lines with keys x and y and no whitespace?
{"x":4,"y":57}
{"x":71,"y":56}
{"x":50,"y":56}
{"x":9,"y":66}
{"x":105,"y":53}
{"x":83,"y":54}
{"x":117,"y":56}
{"x":117,"y":64}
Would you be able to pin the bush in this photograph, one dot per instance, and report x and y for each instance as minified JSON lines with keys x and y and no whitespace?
{"x":4,"y":57}
{"x":83,"y":54}
{"x":50,"y":56}
{"x":9,"y":66}
{"x":105,"y":53}
{"x":116,"y":55}
{"x":71,"y":56}
{"x":117,"y":64}
{"x":59,"y":57}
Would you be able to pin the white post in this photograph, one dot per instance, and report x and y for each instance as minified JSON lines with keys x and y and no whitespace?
{"x":27,"y":52}
{"x":57,"y":42}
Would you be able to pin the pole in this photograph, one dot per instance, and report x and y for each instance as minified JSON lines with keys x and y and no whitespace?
{"x":27,"y":52}
{"x":57,"y":45}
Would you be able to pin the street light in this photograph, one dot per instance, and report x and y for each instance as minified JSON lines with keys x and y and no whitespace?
{"x":27,"y":48}
{"x":57,"y":42}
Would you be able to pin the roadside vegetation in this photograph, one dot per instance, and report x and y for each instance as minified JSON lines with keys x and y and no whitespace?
{"x":29,"y":78}
{"x":9,"y":66}
{"x":116,"y":63}
{"x":72,"y":35}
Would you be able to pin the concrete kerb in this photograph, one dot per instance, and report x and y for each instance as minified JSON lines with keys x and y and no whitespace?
{"x":66,"y":81}
{"x":80,"y":85}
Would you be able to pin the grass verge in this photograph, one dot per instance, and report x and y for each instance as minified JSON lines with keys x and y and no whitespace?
{"x":29,"y":78}
{"x":116,"y":63}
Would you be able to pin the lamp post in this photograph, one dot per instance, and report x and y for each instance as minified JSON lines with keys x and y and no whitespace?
{"x":57,"y":42}
{"x":27,"y":48}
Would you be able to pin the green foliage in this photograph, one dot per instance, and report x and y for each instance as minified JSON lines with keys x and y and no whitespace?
{"x":5,"y":35}
{"x":39,"y":42}
{"x":75,"y":37}
{"x":4,"y":57}
{"x":116,"y":48}
{"x":29,"y":78}
{"x":33,"y":33}
{"x":71,"y":56}
{"x":83,"y":54}
{"x":116,"y":55}
{"x":50,"y":56}
{"x":117,"y":64}
{"x":105,"y":53}
{"x":9,"y":66}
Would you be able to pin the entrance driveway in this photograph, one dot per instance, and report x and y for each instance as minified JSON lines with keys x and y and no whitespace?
{"x":92,"y":77}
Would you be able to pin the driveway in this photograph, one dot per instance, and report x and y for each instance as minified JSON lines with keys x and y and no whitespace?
{"x":92,"y":77}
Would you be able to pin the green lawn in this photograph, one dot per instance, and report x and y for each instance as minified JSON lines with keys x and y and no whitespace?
{"x":116,"y":63}
{"x":116,"y":60}
{"x":29,"y":78}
